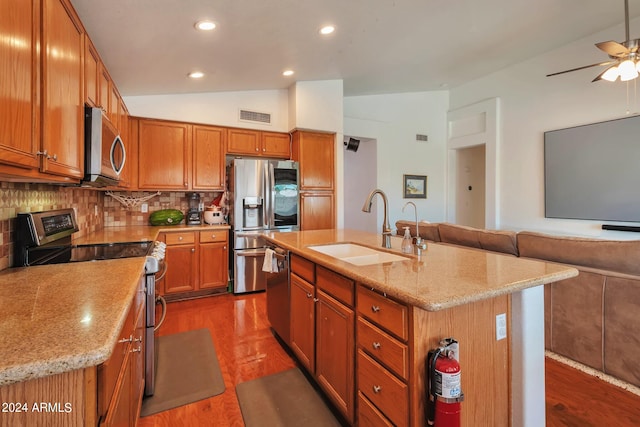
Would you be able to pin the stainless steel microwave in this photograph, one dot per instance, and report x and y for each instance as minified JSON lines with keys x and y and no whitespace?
{"x":104,"y":151}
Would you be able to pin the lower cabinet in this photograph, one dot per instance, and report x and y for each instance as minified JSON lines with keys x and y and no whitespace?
{"x":197,"y":264}
{"x":322,"y":330}
{"x":121,"y":377}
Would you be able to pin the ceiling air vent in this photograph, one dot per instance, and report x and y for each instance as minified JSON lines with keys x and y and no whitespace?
{"x":255,"y":117}
{"x":421,"y":138}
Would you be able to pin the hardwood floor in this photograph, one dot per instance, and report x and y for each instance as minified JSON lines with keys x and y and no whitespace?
{"x":247,"y":349}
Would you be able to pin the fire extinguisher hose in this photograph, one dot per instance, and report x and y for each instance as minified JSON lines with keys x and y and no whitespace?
{"x":431,"y":404}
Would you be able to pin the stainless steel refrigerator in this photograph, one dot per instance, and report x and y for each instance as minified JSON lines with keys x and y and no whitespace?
{"x":265,"y":197}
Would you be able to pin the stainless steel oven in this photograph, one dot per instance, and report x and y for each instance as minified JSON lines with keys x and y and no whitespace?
{"x":155,"y":268}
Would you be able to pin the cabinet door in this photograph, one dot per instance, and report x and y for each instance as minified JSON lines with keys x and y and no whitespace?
{"x":315,"y":152}
{"x":104,"y":87}
{"x":303,"y":321}
{"x":181,"y":268}
{"x":335,"y":342}
{"x":208,"y":158}
{"x":63,"y":91}
{"x":137,"y":367}
{"x":91,"y":73}
{"x":276,"y":145}
{"x":163,"y":155}
{"x":317,"y":211}
{"x":214,"y":260}
{"x":19,"y":62}
{"x":242,"y":141}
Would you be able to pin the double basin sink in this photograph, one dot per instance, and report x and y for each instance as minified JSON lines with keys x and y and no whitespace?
{"x":357,"y":254}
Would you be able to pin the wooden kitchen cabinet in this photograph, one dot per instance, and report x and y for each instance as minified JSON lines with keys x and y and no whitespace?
{"x":197,"y":264}
{"x":63,"y":90}
{"x":182,"y":262}
{"x":257,"y":143}
{"x":323,"y":330}
{"x":164,"y":149}
{"x":20,"y":65}
{"x":208,"y":158}
{"x":92,"y":71}
{"x":315,"y":153}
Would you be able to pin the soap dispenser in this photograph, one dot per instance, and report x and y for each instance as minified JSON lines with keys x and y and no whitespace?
{"x":407,"y":242}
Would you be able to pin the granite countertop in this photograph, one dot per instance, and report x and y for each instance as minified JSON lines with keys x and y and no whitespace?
{"x":62,"y":317}
{"x":443,"y":276}
{"x":121,"y":234}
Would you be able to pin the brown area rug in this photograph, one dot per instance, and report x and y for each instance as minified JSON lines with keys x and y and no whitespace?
{"x":283,"y":399}
{"x":188,"y":371}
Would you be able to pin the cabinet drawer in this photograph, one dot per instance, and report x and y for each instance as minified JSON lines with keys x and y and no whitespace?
{"x":180,"y":238}
{"x":213,"y":236}
{"x":383,"y":389}
{"x":384,"y":348}
{"x":336,"y":285}
{"x":369,"y":415}
{"x":387,"y":314}
{"x":303,"y":268}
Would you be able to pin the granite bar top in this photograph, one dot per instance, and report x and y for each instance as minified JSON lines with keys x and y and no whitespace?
{"x":62,"y":317}
{"x":443,"y":276}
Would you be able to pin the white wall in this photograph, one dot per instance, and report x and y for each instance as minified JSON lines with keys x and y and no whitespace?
{"x":532,"y":104}
{"x":360,"y":177}
{"x":220,"y":108}
{"x":394,"y":120}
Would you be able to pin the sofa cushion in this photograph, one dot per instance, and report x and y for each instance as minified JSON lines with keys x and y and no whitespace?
{"x":576,"y":318}
{"x":490,"y":240}
{"x":615,"y":255}
{"x":428,"y":230}
{"x":622,"y":329}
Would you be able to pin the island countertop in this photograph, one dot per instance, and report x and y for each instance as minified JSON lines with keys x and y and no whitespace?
{"x":443,"y":276}
{"x":61,"y":317}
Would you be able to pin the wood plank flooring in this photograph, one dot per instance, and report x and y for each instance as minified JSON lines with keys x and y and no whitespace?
{"x":247,"y":349}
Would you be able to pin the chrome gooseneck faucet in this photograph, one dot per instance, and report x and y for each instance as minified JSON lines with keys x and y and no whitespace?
{"x":419,"y":244}
{"x":386,"y":228}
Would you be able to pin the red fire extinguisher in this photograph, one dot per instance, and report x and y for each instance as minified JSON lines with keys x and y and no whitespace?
{"x":444,"y":379}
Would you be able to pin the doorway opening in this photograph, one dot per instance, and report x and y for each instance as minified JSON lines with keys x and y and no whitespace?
{"x":360,"y":177}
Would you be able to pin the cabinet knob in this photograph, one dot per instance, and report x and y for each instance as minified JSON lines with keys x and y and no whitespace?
{"x":193,"y":249}
{"x":376,"y":345}
{"x":257,"y":149}
{"x":124,"y":340}
{"x":316,"y":300}
{"x":186,"y":184}
{"x":309,"y":295}
{"x":213,"y":236}
{"x":137,"y":350}
{"x":377,"y":389}
{"x":179,"y":237}
{"x":375,"y":308}
{"x":264,"y":149}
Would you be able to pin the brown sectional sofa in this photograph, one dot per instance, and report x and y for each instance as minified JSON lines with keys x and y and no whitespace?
{"x":593,"y":318}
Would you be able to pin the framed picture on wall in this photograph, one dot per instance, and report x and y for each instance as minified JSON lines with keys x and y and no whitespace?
{"x":415,"y":186}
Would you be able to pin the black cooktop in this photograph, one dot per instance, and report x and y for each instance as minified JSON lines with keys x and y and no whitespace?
{"x":57,"y":254}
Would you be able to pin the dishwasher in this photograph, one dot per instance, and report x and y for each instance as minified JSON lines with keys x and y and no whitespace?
{"x":278,"y":299}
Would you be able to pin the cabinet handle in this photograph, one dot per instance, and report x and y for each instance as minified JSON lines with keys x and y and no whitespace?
{"x":376,"y":345}
{"x":124,"y":340}
{"x":377,"y":389}
{"x":309,"y":295}
{"x":316,"y":300}
{"x":375,"y":308}
{"x":137,"y":350}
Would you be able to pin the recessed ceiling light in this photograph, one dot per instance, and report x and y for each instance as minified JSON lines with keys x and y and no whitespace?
{"x":327,"y":29}
{"x":196,"y":75}
{"x":205,"y":25}
{"x":287,"y":73}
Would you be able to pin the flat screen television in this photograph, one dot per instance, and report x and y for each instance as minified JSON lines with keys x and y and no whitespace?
{"x":593,"y":171}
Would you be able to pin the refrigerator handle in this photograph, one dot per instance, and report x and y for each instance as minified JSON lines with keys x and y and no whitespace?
{"x":272,"y":190}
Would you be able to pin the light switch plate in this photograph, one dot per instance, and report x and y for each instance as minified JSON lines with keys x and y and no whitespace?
{"x":144,"y":208}
{"x":501,"y":326}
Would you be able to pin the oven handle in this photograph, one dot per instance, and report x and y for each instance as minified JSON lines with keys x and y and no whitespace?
{"x":164,"y":271}
{"x":163,"y":303}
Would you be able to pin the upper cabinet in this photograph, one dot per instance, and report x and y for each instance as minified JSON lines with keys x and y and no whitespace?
{"x":208,"y":158}
{"x":179,"y":156}
{"x":19,"y":92}
{"x":258,"y":143}
{"x":315,"y":152}
{"x":92,"y":70}
{"x":62,"y":90}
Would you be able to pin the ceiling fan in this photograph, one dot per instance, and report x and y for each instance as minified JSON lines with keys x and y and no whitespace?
{"x":624,"y":57}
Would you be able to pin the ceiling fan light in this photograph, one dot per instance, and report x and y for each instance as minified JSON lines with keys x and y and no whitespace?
{"x":611,"y":74}
{"x":627,"y":70}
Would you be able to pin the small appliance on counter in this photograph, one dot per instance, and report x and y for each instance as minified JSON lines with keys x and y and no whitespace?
{"x":193,"y":214}
{"x":213,"y":215}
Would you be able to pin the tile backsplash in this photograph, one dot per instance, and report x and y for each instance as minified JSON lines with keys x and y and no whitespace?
{"x":28,"y":197}
{"x":94,"y":208}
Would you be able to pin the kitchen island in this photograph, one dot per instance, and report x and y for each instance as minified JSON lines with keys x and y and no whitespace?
{"x":446,"y":292}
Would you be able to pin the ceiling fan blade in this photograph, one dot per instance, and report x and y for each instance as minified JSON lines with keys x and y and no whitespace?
{"x":613,"y":48}
{"x":581,"y":68}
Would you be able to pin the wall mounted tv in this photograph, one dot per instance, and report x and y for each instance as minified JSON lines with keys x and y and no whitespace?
{"x":593,"y":171}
